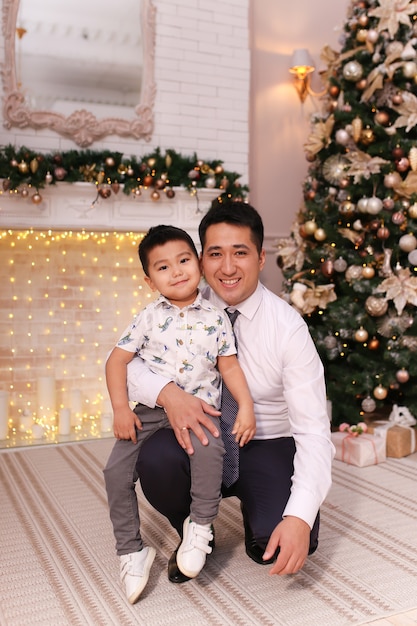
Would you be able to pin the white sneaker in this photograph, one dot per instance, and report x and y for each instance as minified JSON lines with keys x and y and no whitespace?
{"x":194,"y":548}
{"x":134,"y":571}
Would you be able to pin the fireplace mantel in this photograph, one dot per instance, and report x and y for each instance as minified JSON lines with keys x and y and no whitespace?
{"x":72,"y":206}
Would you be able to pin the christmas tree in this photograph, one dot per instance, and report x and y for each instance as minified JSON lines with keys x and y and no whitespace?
{"x":350,"y":264}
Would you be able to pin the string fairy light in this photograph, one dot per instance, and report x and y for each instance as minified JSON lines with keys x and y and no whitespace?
{"x":68,"y":297}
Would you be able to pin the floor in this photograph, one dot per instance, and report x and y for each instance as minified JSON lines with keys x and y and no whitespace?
{"x":403,"y":619}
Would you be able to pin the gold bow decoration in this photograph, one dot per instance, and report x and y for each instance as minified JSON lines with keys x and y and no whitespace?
{"x":407,"y":111}
{"x":406,"y":188}
{"x":362,"y":165}
{"x":291,"y":250}
{"x":401,"y":288}
{"x":307,"y":297}
{"x":320,"y":136}
{"x":392,"y":13}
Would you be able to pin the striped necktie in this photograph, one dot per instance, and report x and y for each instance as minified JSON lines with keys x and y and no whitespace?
{"x":227,"y":419}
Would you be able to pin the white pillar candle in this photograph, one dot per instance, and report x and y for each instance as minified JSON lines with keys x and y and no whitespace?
{"x":106,"y":422}
{"x":4,"y":414}
{"x":76,"y":403}
{"x":64,"y":422}
{"x":46,"y":398}
{"x":37,"y":431}
{"x":25,"y":421}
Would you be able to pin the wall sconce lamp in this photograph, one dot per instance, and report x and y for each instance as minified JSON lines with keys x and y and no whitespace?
{"x":302,"y":66}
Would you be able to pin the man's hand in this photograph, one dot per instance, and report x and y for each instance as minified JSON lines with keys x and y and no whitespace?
{"x":292,"y":536}
{"x":124,"y":423}
{"x":186,"y":412}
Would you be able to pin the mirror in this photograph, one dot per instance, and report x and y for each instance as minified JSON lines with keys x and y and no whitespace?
{"x":80,"y":69}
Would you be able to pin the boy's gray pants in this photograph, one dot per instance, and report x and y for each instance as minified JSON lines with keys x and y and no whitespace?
{"x":120,"y":476}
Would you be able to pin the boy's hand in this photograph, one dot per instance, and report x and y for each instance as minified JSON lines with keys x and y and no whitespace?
{"x":125,"y":423}
{"x":244,"y":427}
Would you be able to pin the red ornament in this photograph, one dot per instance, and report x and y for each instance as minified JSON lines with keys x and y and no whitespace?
{"x":327,"y":268}
{"x":36,"y":198}
{"x":382,"y":232}
{"x":373,"y":344}
{"x":148,"y":180}
{"x":403,"y":164}
{"x":397,"y":153}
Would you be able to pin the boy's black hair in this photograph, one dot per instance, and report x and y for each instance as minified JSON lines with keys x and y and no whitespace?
{"x":236,"y":213}
{"x":158,"y":236}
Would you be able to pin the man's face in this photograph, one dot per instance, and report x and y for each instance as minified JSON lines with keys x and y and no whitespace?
{"x":231,"y":263}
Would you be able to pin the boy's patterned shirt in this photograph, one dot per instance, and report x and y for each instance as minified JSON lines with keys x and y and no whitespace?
{"x":183,"y":344}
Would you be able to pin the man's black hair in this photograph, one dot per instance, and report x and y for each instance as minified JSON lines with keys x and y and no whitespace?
{"x":236,"y":213}
{"x":158,"y":236}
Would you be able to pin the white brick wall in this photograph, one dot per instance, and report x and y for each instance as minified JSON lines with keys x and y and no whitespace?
{"x":202,"y":66}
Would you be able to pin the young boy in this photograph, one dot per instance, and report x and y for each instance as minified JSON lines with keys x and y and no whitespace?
{"x":191,"y":342}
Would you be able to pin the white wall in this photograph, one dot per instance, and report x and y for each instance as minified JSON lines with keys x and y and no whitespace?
{"x":279,"y":122}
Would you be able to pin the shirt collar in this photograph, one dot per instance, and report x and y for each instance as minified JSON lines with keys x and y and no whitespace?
{"x":247,"y":308}
{"x":198,"y":303}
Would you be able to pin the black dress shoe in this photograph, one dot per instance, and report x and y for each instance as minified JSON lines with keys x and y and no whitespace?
{"x":253,"y":550}
{"x":175,"y":575}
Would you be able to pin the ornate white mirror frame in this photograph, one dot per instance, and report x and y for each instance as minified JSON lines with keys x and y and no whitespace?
{"x":82,"y":126}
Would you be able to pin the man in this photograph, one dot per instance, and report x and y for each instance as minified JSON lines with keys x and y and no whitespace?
{"x":285,"y":471}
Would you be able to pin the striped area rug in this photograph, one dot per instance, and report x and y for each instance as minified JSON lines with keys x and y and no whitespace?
{"x":58,"y":565}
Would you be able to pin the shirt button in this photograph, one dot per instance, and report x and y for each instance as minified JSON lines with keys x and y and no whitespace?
{"x":182,"y":314}
{"x":180,"y":341}
{"x":181,"y":370}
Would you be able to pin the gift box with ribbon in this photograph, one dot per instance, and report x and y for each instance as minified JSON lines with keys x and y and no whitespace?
{"x":360,"y":450}
{"x":400,"y":432}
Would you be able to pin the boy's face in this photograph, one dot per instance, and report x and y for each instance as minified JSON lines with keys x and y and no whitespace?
{"x":174,"y":271}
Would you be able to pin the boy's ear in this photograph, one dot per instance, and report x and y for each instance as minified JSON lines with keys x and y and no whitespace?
{"x":149,"y":282}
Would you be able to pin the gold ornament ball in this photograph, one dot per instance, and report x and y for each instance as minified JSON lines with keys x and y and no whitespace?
{"x":412,"y":211}
{"x":361,"y":35}
{"x":320,"y":234}
{"x":397,"y":99}
{"x":155,"y":196}
{"x":361,"y":335}
{"x":24,"y":193}
{"x":402,"y":376}
{"x":367,"y":136}
{"x":363,"y":19}
{"x":110,"y":162}
{"x":310,"y":227}
{"x":36,"y":198}
{"x":380,"y":392}
{"x":368,"y":272}
{"x":23,"y":167}
{"x":151,"y":162}
{"x":375,"y":306}
{"x":410,"y":69}
{"x":334,"y":91}
{"x":361,"y":84}
{"x":137,"y":192}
